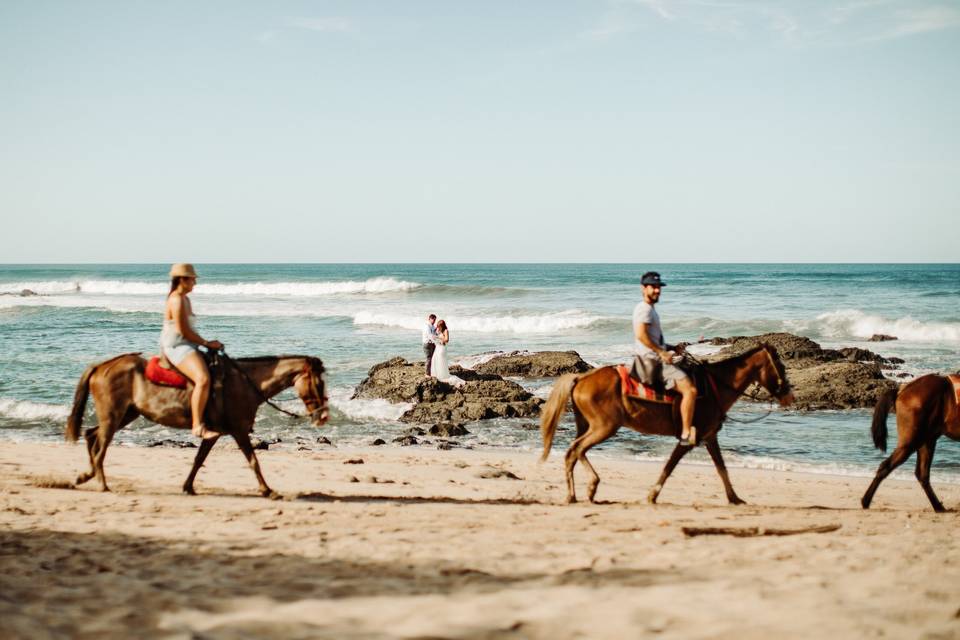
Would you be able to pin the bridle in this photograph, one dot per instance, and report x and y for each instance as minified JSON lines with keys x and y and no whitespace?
{"x":318,"y":397}
{"x":783,"y":387}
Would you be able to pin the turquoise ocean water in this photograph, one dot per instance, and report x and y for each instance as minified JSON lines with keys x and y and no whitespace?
{"x":353,"y":316}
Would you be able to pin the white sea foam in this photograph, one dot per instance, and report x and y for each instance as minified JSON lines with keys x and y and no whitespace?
{"x":474,"y":361}
{"x":377,"y":410}
{"x":528,"y":324}
{"x":32,"y":411}
{"x":143,"y":288}
{"x":847,"y":323}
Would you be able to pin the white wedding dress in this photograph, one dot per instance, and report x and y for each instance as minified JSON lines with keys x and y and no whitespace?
{"x":439,"y":368}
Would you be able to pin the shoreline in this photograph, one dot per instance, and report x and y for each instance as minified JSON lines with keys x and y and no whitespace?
{"x":416,"y":543}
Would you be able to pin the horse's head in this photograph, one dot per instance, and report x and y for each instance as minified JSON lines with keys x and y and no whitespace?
{"x":312,"y":389}
{"x":773,"y":376}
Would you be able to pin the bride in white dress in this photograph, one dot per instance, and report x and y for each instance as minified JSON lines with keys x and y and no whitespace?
{"x":438,"y":364}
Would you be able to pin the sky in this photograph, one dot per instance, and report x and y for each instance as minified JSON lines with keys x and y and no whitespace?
{"x":488,"y":131}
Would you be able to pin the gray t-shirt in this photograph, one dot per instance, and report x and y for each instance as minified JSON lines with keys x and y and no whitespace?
{"x":644,"y":313}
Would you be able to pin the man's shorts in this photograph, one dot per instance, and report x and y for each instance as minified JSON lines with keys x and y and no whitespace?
{"x":671,"y":374}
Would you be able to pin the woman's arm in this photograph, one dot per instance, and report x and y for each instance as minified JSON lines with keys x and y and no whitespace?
{"x":180,"y":309}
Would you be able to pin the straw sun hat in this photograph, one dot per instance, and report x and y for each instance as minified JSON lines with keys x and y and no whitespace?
{"x":183,"y":270}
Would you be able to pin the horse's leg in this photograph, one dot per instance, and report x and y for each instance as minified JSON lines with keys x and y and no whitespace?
{"x":897,"y":458}
{"x":584,"y":444}
{"x":243,"y":441}
{"x":105,"y":431}
{"x":90,"y":435}
{"x":569,"y":462}
{"x":924,"y":460}
{"x":678,"y":452}
{"x":713,"y":447}
{"x":205,"y":446}
{"x":104,"y":437}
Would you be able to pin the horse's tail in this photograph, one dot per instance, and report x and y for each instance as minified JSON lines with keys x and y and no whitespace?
{"x":555,"y":407}
{"x":880,"y":412}
{"x":79,"y":404}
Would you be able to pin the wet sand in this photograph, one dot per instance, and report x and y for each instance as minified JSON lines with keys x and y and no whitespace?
{"x":414,"y":543}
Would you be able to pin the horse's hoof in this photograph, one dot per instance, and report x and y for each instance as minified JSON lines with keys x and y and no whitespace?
{"x":271,"y":494}
{"x":570,"y":500}
{"x":653,"y":495}
{"x":737,"y":501}
{"x":865,"y":503}
{"x":188,"y":491}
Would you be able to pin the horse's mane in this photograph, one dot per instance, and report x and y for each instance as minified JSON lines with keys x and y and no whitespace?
{"x":749,"y":352}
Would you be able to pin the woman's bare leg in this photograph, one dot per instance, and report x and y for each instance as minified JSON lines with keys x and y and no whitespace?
{"x":195,"y":368}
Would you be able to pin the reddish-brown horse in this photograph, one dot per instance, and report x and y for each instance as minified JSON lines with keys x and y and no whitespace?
{"x":599,"y":410}
{"x":926,"y":409}
{"x":121,"y":392}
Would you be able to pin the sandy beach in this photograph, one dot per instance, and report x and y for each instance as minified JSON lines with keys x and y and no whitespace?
{"x":421,"y":543}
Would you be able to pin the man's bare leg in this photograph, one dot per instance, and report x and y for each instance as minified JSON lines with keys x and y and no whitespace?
{"x":688,"y":400}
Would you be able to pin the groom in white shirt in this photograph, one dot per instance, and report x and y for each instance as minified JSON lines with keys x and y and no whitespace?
{"x":427,"y":335}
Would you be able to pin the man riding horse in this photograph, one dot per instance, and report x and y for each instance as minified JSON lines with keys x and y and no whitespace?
{"x":652,"y":355}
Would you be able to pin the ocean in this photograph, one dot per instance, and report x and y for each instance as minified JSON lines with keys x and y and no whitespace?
{"x":353,"y":316}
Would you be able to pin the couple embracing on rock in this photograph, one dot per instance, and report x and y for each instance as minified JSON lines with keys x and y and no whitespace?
{"x":435,"y":337}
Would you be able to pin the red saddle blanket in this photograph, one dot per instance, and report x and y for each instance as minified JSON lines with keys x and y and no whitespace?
{"x":167,"y":377}
{"x":634,"y":389}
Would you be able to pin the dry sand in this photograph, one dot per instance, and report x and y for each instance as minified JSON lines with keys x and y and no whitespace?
{"x":413,"y":543}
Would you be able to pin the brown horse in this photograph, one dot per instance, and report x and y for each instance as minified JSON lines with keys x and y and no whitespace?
{"x":121,"y":393}
{"x":926,"y":409}
{"x":599,"y":409}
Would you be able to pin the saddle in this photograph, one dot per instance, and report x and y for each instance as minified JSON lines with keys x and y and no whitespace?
{"x":158,"y":374}
{"x":634,"y":389}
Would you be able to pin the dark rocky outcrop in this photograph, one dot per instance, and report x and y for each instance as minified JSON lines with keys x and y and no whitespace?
{"x":881,"y":337}
{"x":482,"y":396}
{"x":541,"y":364}
{"x":448,"y":430}
{"x":821,"y":378}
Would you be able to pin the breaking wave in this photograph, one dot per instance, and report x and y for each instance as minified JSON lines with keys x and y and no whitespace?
{"x":541,"y":323}
{"x":32,"y":411}
{"x":857,"y":324}
{"x":144,"y":288}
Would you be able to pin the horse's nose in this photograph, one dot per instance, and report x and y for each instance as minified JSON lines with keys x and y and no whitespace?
{"x":787,"y":400}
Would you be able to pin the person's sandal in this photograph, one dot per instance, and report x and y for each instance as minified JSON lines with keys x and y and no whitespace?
{"x":691,"y":439}
{"x":201,"y":431}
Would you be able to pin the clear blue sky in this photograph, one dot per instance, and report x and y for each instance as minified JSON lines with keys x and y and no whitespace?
{"x":578,"y":130}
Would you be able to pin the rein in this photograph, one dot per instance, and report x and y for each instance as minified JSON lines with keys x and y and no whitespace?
{"x":243,"y":374}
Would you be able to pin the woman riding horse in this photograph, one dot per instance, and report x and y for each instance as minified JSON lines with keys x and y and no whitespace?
{"x":179,"y":343}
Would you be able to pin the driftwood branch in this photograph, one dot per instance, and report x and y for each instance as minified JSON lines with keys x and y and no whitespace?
{"x":750,"y":532}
